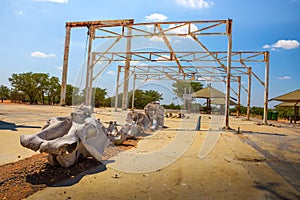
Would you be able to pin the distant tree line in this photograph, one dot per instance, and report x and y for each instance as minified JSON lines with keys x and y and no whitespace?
{"x":41,"y":88}
{"x":283,"y":112}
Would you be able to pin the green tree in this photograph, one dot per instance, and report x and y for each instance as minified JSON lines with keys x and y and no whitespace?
{"x":99,"y":96}
{"x":25,"y":83}
{"x":17,"y":96}
{"x":53,"y":91}
{"x":41,"y":81}
{"x":142,"y":98}
{"x":4,"y":92}
{"x":172,"y":106}
{"x":181,"y":86}
{"x":284,"y":112}
{"x":35,"y":86}
{"x":72,"y":95}
{"x":257,"y":110}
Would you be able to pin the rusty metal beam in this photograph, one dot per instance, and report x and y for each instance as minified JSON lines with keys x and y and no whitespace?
{"x":89,"y":70}
{"x":126,"y":72}
{"x":170,"y":48}
{"x":249,"y":93}
{"x":65,"y":67}
{"x":228,"y":79}
{"x":266,"y":92}
{"x":100,"y":23}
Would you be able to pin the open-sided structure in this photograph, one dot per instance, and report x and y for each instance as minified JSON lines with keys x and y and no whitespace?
{"x":197,"y":64}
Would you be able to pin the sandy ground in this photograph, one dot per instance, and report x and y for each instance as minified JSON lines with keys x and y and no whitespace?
{"x":174,"y":163}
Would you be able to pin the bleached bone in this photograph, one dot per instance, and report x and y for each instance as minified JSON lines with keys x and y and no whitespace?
{"x":66,"y":138}
{"x":94,"y":137}
{"x":119,"y":138}
{"x":64,"y":144}
{"x":56,"y":127}
{"x":139,"y":118}
{"x":67,"y":160}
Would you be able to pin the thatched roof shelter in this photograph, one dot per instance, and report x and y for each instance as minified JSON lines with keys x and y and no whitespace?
{"x":290,"y":99}
{"x":208,"y":92}
{"x":211,"y":95}
{"x":221,"y":101}
{"x":293,"y":96}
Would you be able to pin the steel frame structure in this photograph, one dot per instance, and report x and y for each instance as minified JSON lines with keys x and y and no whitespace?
{"x":175,"y":60}
{"x":241,"y":67}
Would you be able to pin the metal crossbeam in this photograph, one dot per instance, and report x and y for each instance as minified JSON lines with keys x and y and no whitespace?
{"x":176,"y":64}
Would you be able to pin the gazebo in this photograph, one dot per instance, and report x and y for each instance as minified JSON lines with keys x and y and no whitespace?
{"x":221,"y":101}
{"x":210,"y":94}
{"x":291,"y":99}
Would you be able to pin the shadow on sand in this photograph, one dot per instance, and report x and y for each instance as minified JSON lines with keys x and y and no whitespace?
{"x":56,"y":176}
{"x":264,"y":133}
{"x":13,"y":127}
{"x":273,"y":193}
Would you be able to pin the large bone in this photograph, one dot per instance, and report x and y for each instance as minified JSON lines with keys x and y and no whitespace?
{"x":94,"y":137}
{"x":65,"y":144}
{"x":55,"y":127}
{"x":66,"y":138}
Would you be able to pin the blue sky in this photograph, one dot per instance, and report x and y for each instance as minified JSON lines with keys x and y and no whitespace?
{"x":32,"y":34}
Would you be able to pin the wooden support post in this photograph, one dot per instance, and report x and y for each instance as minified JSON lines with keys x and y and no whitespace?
{"x":249,"y":93}
{"x":239,"y":98}
{"x":265,"y":119}
{"x":126,"y":70}
{"x":117,"y":88}
{"x":89,"y":71}
{"x":65,"y":67}
{"x":228,"y":78}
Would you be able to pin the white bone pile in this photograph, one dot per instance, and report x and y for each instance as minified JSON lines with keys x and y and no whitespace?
{"x":67,"y":138}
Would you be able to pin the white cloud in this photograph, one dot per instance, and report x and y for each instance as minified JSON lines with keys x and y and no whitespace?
{"x":286,"y":44}
{"x":283,"y":44}
{"x":60,"y":68}
{"x":111,"y":72}
{"x":195,"y":4}
{"x":156,"y":39}
{"x":182,"y":29}
{"x":54,"y":1}
{"x":163,"y":57}
{"x":175,"y":29}
{"x":134,"y":62}
{"x":39,"y":54}
{"x":156,"y":17}
{"x":284,"y":78}
{"x":20,"y":13}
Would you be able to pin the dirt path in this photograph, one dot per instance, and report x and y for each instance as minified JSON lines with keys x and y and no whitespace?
{"x":230,"y":169}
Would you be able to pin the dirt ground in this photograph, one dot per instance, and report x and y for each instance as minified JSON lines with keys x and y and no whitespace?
{"x":177,"y":162}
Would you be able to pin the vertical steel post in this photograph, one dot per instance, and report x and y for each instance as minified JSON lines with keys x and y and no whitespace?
{"x":239,"y":97}
{"x":127,"y":68}
{"x":249,"y":93}
{"x":117,"y":88}
{"x":133,"y":91}
{"x":89,"y":71}
{"x":227,"y":101}
{"x":65,"y":67}
{"x":267,"y":56}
